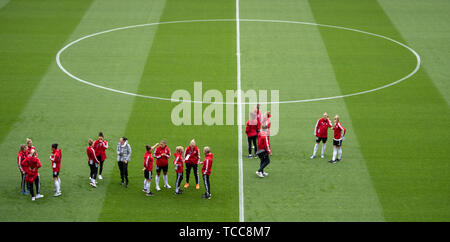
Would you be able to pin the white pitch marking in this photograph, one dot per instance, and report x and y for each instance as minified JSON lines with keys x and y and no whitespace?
{"x":239,"y":117}
{"x":58,"y":56}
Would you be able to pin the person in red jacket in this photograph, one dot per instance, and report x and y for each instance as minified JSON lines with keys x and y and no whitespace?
{"x":93,"y":162}
{"x":321,"y":133}
{"x":251,"y":130}
{"x":263,"y":152}
{"x":21,"y":157}
{"x":192,"y":158}
{"x":178,"y":164}
{"x":148,"y":169}
{"x":56,"y":167}
{"x":339,"y":132}
{"x":162,"y":155}
{"x":100,"y":145}
{"x":30,"y":147}
{"x":266,"y":121}
{"x":206,"y":171}
{"x":31,"y":166}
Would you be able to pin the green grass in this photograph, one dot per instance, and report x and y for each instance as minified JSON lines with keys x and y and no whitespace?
{"x":394,"y":165}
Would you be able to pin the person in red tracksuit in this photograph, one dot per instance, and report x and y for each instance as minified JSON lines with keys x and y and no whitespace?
{"x":148,"y":168}
{"x":192,"y":159}
{"x":206,"y":171}
{"x":339,"y":132}
{"x":263,"y":152}
{"x":266,"y":121}
{"x":178,"y":164}
{"x":321,"y":133}
{"x":21,"y":157}
{"x":251,"y":130}
{"x":100,"y":146}
{"x":30,"y":147}
{"x":31,"y":166}
{"x":93,"y":162}
{"x":162,"y":155}
{"x":56,"y":167}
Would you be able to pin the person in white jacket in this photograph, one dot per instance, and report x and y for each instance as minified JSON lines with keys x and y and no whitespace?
{"x":123,"y":157}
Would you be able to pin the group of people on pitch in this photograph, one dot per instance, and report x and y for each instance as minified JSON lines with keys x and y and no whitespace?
{"x":321,"y":133}
{"x":29,"y":166}
{"x":96,"y":152}
{"x":258,"y":132}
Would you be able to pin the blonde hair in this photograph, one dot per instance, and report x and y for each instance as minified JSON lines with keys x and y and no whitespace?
{"x":337,"y":117}
{"x":192,"y":142}
{"x":207,"y":149}
{"x":29,"y":140}
{"x":32,"y":152}
{"x":179,"y":149}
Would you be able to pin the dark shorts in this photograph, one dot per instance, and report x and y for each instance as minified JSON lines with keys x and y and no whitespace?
{"x":99,"y":158}
{"x":148,"y":175}
{"x":337,"y":142}
{"x":55,"y":174}
{"x":318,"y":139}
{"x":163,"y":168}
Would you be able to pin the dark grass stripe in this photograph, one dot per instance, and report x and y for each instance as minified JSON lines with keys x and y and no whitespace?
{"x":31,"y":32}
{"x":181,"y":54}
{"x":402,"y":129}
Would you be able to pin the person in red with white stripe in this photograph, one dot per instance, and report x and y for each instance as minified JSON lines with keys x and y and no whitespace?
{"x":100,"y":145}
{"x":56,"y":167}
{"x":31,"y":166}
{"x":148,"y":168}
{"x":321,"y":133}
{"x":251,"y":130}
{"x":93,"y":162}
{"x":206,"y":171}
{"x":21,"y":157}
{"x":266,"y":121}
{"x":192,"y":158}
{"x":178,"y":164}
{"x":339,"y":132}
{"x":30,"y":147}
{"x":263,"y":152}
{"x":162,"y":155}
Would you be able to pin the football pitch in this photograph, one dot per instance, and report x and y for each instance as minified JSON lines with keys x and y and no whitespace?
{"x":69,"y":69}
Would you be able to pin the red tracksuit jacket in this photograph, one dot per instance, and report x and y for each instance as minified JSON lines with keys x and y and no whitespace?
{"x":100,"y":148}
{"x":252,"y":128}
{"x":31,"y":166}
{"x":148,"y":161}
{"x":321,"y":129}
{"x":194,"y":155}
{"x":21,"y":157}
{"x":339,"y":131}
{"x":263,"y":142}
{"x":162,"y":161}
{"x":178,"y":163}
{"x":207,"y":164}
{"x":91,"y":155}
{"x":56,"y":160}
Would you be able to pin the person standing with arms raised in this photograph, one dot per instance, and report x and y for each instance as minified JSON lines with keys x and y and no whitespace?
{"x":100,"y":146}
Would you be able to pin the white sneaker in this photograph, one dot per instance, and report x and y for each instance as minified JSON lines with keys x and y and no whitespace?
{"x":39,"y":196}
{"x":259,"y":174}
{"x":313,"y":156}
{"x":265,"y":174}
{"x":100,"y":177}
{"x":322,"y":156}
{"x":57,"y":194}
{"x":167,"y":186}
{"x":33,"y":199}
{"x":157,"y":188}
{"x":93,"y":185}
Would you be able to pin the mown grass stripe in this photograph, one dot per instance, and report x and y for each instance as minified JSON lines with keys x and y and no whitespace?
{"x":397,"y":127}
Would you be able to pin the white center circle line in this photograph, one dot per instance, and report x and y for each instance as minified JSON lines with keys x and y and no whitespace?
{"x":61,"y":67}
